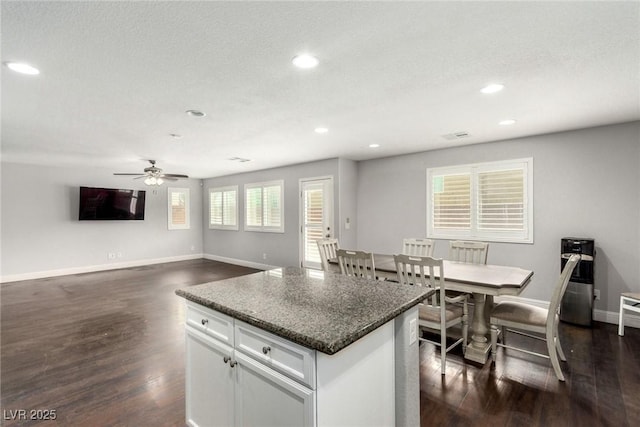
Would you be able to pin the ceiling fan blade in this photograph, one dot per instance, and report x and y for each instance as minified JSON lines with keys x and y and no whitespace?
{"x":169,"y":178}
{"x":140,"y":177}
{"x":130,"y":174}
{"x":173,"y":175}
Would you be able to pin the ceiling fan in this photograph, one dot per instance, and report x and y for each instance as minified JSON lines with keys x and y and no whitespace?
{"x":153,"y":175}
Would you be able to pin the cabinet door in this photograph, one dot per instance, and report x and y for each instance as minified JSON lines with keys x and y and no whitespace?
{"x":265,"y":397}
{"x":209,"y":381}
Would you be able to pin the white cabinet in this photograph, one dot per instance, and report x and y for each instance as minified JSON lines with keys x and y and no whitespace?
{"x":238,"y":374}
{"x":208,"y":381}
{"x":228,"y":386}
{"x":266,"y":398}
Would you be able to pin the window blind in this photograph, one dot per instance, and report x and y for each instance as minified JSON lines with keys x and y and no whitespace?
{"x":313,"y":217}
{"x":272,"y":211}
{"x":483,"y":201}
{"x":178,"y":204}
{"x":501,"y":200}
{"x":264,"y":207}
{"x":452,"y":201}
{"x":178,"y":216}
{"x":253,"y":206}
{"x":223,"y":211}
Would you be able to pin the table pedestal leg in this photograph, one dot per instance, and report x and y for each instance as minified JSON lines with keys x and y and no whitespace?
{"x":479,"y":348}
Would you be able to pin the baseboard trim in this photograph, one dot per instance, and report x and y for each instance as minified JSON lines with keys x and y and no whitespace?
{"x":241,"y":262}
{"x":612,"y":317}
{"x":94,"y":268}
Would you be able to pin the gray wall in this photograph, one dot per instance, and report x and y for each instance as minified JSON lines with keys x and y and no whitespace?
{"x":586,"y":184}
{"x":281,"y":249}
{"x":41,"y":231}
{"x":348,"y":208}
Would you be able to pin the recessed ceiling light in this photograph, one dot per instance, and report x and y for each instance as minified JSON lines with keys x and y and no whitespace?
{"x":321,"y":130}
{"x":374,"y":145}
{"x":305,"y":61}
{"x":22,"y":68}
{"x":492,"y":88}
{"x":507,"y":122}
{"x":195,"y":113}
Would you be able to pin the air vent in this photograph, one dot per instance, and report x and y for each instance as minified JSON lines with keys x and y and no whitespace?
{"x":456,"y":135}
{"x":239,"y":159}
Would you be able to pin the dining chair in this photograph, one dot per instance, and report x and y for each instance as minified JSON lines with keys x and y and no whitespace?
{"x":418,"y":247}
{"x":327,"y":249}
{"x":437,"y":312}
{"x":629,"y":301}
{"x":472,"y":252}
{"x":356,"y":263}
{"x":515,"y":316}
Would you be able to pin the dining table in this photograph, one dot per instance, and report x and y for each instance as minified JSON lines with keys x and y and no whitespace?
{"x":482,"y":281}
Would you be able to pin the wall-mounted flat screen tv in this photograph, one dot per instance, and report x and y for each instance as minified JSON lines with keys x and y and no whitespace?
{"x":111,"y":204}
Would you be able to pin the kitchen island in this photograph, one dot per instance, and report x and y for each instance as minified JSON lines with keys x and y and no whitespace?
{"x":300,"y":347}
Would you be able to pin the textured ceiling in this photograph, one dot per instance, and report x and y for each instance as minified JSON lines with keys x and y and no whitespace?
{"x":117,"y":77}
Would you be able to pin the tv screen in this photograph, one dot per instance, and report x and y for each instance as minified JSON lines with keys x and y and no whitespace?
{"x":111,"y":204}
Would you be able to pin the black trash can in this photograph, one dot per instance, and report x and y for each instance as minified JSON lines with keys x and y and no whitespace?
{"x":577,"y":302}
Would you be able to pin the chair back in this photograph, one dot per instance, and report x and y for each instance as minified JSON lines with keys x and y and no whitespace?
{"x":327,"y":249}
{"x":561,"y":287}
{"x":471,"y":252}
{"x":418,"y":247}
{"x":422,"y":271}
{"x":356,"y":263}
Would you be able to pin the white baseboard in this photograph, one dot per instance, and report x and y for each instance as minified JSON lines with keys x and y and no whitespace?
{"x":241,"y":262}
{"x":612,"y":317}
{"x":94,"y":268}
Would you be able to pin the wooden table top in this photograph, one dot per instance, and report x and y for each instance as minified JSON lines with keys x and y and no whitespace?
{"x":467,"y":277}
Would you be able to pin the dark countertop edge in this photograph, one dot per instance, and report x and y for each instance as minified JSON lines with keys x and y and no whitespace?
{"x":329,"y":348}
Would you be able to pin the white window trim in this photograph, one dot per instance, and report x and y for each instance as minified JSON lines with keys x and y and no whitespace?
{"x":262,"y":228}
{"x":187,"y":199}
{"x":235,"y":227}
{"x":474,"y":234}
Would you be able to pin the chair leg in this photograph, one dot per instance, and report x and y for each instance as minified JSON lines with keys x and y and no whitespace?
{"x":621,"y":318}
{"x":503,"y":335}
{"x":556,"y":338}
{"x":465,"y":329}
{"x":443,"y":350}
{"x":553,"y":355}
{"x":494,"y":342}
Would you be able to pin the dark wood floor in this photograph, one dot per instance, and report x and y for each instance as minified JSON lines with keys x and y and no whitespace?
{"x":107,"y":349}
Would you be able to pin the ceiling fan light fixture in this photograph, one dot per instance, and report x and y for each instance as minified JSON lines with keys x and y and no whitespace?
{"x":159,"y":181}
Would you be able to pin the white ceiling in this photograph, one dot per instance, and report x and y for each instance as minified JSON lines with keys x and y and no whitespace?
{"x":117,"y":77}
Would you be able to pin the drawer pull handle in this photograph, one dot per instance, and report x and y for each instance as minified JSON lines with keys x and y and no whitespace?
{"x":205,"y":321}
{"x":233,"y":363}
{"x":266,"y":349}
{"x":226,"y":359}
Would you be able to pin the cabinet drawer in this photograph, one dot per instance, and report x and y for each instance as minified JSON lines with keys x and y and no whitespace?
{"x":212,"y":323}
{"x":293,"y":360}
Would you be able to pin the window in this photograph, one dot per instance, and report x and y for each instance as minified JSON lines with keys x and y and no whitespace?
{"x":483,"y":201}
{"x":264,"y":207}
{"x":223,"y":208}
{"x":178,"y":208}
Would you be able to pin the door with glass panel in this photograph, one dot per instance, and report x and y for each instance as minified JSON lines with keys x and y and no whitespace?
{"x":316,"y":217}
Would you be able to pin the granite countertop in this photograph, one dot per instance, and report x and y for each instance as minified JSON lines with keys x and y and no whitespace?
{"x":321,"y":311}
